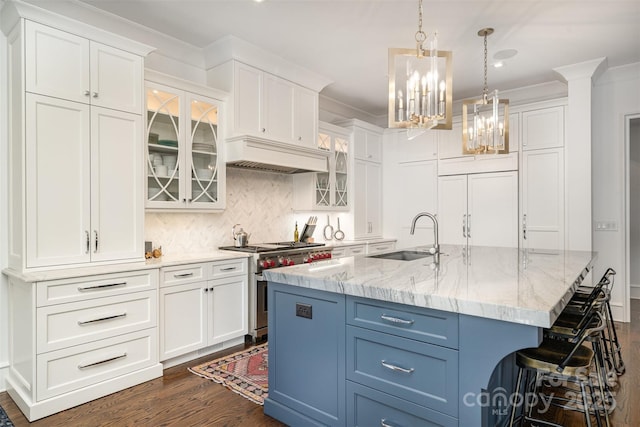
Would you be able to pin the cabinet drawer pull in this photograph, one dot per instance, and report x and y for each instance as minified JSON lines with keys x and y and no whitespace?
{"x":102,"y":319}
{"x":110,"y":359}
{"x":87,"y":93}
{"x":95,"y":94}
{"x":183,"y":275}
{"x":86,"y":232}
{"x":95,"y":249}
{"x":396,"y":320}
{"x":106,"y":285}
{"x":228,"y":268}
{"x":385,"y":423}
{"x":396,"y":368}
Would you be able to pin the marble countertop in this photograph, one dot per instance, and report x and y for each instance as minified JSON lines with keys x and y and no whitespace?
{"x":345,"y":243}
{"x":163,"y":261}
{"x":527,"y":287}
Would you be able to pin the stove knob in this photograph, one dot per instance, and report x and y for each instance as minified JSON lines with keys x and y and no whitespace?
{"x":306,"y":259}
{"x":272,"y":263}
{"x":264,"y":264}
{"x":282,"y":261}
{"x":329,"y":255}
{"x":291,"y":262}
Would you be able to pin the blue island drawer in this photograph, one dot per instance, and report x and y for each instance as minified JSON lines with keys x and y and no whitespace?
{"x":417,"y":323}
{"x":367,"y":407}
{"x":422,"y":373}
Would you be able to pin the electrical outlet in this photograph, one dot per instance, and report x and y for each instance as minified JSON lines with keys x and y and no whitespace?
{"x":606,"y":226}
{"x":304,"y":310}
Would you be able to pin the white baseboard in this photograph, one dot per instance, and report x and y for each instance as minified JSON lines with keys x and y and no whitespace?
{"x":635,"y":291}
{"x":617,"y":311}
{"x":4,"y":372}
{"x":202,"y":352}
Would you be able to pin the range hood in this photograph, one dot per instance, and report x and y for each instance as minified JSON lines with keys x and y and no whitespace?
{"x":250,"y":152}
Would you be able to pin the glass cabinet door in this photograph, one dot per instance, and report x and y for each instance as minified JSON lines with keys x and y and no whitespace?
{"x":323,"y":181}
{"x":163,"y":156}
{"x":203,"y":146}
{"x":341,"y":152}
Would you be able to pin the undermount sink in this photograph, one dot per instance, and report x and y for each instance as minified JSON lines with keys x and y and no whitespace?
{"x":403,"y":255}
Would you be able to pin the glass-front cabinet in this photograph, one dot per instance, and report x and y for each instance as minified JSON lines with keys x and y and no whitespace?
{"x":183,"y":150}
{"x":326,"y":190}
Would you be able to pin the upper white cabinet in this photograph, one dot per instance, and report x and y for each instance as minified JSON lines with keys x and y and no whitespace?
{"x":184,"y":164}
{"x":368,"y":145}
{"x":267,"y":106}
{"x":479,"y":209}
{"x":415,"y":146}
{"x":75,"y":149}
{"x":70,"y":67}
{"x":326,"y":190}
{"x":543,"y":128}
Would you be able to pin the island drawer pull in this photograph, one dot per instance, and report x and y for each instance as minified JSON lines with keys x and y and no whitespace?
{"x":106,"y":285}
{"x":396,"y":368}
{"x":385,"y":423}
{"x":396,"y":320}
{"x":102,"y":319}
{"x":183,"y":275}
{"x":110,"y":359}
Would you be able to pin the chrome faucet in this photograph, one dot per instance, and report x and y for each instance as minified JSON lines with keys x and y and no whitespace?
{"x":435,"y":250}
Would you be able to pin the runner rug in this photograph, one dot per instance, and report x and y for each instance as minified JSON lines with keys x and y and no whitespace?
{"x":4,"y":419}
{"x":245,"y":372}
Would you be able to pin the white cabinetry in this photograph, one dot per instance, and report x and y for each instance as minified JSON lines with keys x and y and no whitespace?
{"x":341,"y":251}
{"x":366,"y":143}
{"x":76,"y":165}
{"x":77,"y":339}
{"x":267,"y":106}
{"x":184,"y":165}
{"x":326,"y":190}
{"x":542,"y":194}
{"x":202,"y":305}
{"x":479,"y":209}
{"x":71,"y":67}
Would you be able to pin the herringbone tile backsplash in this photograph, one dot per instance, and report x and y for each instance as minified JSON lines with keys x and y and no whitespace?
{"x":259,"y":201}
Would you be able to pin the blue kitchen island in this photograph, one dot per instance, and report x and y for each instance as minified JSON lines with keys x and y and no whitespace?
{"x":366,"y":341}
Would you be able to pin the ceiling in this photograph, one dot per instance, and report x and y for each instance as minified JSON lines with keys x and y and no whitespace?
{"x":346,"y":41}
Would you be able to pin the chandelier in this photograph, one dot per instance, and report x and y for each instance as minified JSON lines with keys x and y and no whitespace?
{"x":485,"y":121}
{"x":420,"y":87}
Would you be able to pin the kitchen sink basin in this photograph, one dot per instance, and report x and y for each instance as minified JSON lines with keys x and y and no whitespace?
{"x":403,"y":255}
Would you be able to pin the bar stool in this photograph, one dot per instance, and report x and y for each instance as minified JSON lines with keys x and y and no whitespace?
{"x":562,"y":361}
{"x":613,"y":350}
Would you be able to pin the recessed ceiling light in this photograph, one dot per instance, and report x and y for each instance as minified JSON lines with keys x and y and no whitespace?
{"x":498,"y":64}
{"x":505,"y":54}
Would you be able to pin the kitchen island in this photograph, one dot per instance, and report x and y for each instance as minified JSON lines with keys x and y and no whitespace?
{"x":374,"y":341}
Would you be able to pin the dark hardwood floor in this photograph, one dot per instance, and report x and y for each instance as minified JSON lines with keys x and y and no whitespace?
{"x":183,"y":399}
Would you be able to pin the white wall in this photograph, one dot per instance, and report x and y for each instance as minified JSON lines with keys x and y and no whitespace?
{"x":616,"y":94}
{"x":4,"y":224}
{"x":634,"y":207}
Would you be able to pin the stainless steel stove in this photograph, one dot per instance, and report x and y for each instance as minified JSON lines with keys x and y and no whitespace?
{"x":273,"y":255}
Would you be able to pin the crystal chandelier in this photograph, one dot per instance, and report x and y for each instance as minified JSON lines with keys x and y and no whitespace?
{"x":485,"y":121}
{"x":420,"y":86}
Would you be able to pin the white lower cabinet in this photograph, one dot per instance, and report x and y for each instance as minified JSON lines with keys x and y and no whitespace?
{"x":380,"y":247}
{"x":345,"y":251}
{"x":479,"y":209}
{"x":76,"y":339}
{"x":202,"y":305}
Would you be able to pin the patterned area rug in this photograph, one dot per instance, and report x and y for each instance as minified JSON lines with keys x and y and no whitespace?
{"x":245,"y":372}
{"x":4,"y":419}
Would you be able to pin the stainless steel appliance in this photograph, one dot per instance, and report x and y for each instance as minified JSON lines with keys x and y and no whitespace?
{"x":272,"y":255}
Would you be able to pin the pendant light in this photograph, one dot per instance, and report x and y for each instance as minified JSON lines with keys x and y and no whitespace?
{"x":420,"y":84}
{"x":485,"y":121}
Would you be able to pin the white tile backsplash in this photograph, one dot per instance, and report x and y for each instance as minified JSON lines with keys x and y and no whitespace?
{"x":259,"y":201}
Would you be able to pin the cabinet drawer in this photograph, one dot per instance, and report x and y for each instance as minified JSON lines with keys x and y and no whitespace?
{"x":76,"y":323}
{"x":338,"y":252}
{"x":84,"y":288}
{"x":180,"y":274}
{"x":72,"y":368}
{"x":422,"y":324}
{"x":231,"y":267}
{"x":374,"y":248}
{"x":424,"y":374}
{"x":356,"y":250}
{"x":368,"y":407}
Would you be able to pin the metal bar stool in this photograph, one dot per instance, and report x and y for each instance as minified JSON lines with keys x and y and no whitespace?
{"x":613,"y":350}
{"x":561,"y":361}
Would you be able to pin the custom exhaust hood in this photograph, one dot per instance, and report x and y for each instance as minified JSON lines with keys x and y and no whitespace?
{"x":250,"y":152}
